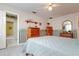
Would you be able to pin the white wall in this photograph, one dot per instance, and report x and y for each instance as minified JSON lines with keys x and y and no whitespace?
{"x":2,"y":30}
{"x":57,"y":22}
{"x":24,"y":24}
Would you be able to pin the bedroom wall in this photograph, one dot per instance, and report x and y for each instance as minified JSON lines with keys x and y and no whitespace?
{"x":2,"y":30}
{"x":57,"y":23}
{"x":22,"y":17}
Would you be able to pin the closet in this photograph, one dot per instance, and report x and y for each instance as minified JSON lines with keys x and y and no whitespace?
{"x":11,"y":29}
{"x":8,"y":29}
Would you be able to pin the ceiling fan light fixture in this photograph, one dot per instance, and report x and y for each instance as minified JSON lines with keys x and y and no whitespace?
{"x":50,"y":7}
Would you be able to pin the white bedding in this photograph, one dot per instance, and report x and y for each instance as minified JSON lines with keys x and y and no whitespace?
{"x":52,"y":45}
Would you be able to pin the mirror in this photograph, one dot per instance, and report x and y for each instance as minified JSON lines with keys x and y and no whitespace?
{"x":67,"y":26}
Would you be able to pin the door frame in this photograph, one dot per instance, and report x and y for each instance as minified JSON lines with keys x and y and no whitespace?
{"x":14,"y":13}
{"x":78,"y":27}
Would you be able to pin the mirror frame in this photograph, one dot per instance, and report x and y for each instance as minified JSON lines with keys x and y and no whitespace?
{"x":65,"y":21}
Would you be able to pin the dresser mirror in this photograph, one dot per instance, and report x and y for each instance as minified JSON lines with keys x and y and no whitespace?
{"x":67,"y":26}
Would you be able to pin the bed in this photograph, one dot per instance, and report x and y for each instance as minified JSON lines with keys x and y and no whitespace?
{"x":52,"y":46}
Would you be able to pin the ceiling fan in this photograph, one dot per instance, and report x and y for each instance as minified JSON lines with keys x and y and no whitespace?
{"x":51,"y":6}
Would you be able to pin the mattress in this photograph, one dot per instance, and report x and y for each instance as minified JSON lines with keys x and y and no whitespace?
{"x":52,"y":46}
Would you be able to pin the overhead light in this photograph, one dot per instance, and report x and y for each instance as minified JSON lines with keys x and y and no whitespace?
{"x":50,"y":7}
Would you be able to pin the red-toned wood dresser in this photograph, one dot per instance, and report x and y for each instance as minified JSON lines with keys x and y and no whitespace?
{"x":49,"y":31}
{"x":33,"y":32}
{"x":66,"y":34}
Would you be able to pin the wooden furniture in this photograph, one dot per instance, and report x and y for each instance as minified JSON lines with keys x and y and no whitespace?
{"x":66,"y":34}
{"x":49,"y":31}
{"x":33,"y":32}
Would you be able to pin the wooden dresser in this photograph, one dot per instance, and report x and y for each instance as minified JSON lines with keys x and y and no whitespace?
{"x":33,"y":32}
{"x":66,"y":34}
{"x":49,"y":31}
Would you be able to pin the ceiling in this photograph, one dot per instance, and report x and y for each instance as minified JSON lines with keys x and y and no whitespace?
{"x":40,"y":8}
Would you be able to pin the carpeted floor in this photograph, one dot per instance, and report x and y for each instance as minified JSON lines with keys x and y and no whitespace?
{"x":12,"y":51}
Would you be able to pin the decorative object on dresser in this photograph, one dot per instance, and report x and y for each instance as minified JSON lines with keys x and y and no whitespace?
{"x":66,"y":34}
{"x":33,"y":32}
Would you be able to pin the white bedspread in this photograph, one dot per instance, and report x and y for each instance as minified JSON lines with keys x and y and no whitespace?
{"x":52,"y":45}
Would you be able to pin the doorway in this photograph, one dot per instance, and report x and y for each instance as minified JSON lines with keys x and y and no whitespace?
{"x":11,"y":30}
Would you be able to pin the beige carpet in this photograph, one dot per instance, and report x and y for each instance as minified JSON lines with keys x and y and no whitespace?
{"x":12,"y":51}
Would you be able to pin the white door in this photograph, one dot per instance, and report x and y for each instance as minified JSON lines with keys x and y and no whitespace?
{"x":2,"y":30}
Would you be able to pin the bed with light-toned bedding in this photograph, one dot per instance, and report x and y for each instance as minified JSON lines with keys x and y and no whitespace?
{"x":52,"y":46}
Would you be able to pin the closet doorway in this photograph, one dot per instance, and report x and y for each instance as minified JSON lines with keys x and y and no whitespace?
{"x":11,"y":30}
